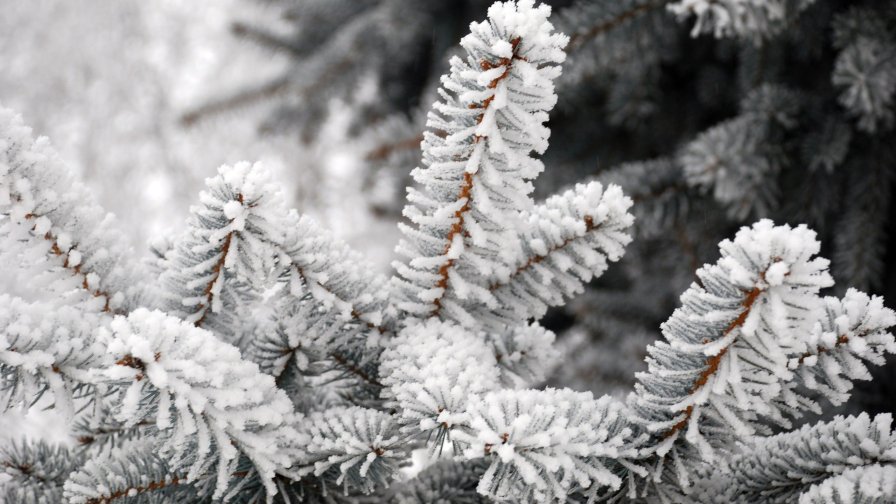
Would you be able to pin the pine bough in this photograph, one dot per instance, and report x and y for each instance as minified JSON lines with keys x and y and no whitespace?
{"x":263,"y":360}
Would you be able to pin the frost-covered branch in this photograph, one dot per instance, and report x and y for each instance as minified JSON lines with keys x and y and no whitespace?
{"x":780,"y":468}
{"x":432,"y":370}
{"x":444,"y":482}
{"x":55,"y":228}
{"x":726,"y":349}
{"x":851,"y":332}
{"x":133,"y":471}
{"x":331,"y":307}
{"x":737,"y":160}
{"x":36,"y":471}
{"x":742,"y":18}
{"x":210,"y":407}
{"x":229,"y":251}
{"x":475,"y":176}
{"x":872,"y":484}
{"x":865,"y":69}
{"x":335,"y":276}
{"x":351,"y":447}
{"x":567,"y":241}
{"x":543,"y":444}
{"x":46,"y":349}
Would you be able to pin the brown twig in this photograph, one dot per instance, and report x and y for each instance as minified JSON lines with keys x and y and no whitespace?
{"x":579,"y":39}
{"x":247,"y":97}
{"x":355,"y":370}
{"x":385,"y":150}
{"x":130,"y":491}
{"x":265,"y":38}
{"x":88,"y":439}
{"x":25,"y":469}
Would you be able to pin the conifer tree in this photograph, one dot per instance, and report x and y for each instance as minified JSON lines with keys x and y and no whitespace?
{"x":264,"y":361}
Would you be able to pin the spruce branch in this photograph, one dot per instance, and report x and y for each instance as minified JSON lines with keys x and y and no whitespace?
{"x":56,"y":225}
{"x":542,"y":445}
{"x":874,"y":484}
{"x":37,"y":470}
{"x":779,"y":468}
{"x":432,"y":369}
{"x":739,"y":18}
{"x":132,"y":471}
{"x":47,"y":349}
{"x":849,"y":333}
{"x":229,"y":251}
{"x":728,"y":346}
{"x":352,"y":447}
{"x":567,"y":241}
{"x":477,"y":161}
{"x":247,"y":97}
{"x":207,"y":402}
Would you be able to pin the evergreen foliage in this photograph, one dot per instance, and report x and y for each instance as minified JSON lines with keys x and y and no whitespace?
{"x":266,"y":362}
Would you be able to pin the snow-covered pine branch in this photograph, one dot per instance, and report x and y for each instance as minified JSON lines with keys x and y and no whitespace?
{"x":132,"y":471}
{"x":179,"y":415}
{"x":100,"y":430}
{"x":351,"y":448}
{"x":726,"y":349}
{"x":477,"y":162}
{"x":444,"y":482}
{"x":45,"y":349}
{"x":872,"y":484}
{"x":38,"y":469}
{"x":335,"y":276}
{"x":210,"y":407}
{"x":52,"y":225}
{"x":432,"y":369}
{"x":607,"y":37}
{"x":566,"y":241}
{"x":865,"y":70}
{"x":229,"y":251}
{"x":780,"y":468}
{"x":850,"y":332}
{"x":525,"y":354}
{"x":541,"y":445}
{"x":331,"y":311}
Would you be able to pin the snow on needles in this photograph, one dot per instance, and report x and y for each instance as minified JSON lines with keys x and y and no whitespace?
{"x":477,"y":162}
{"x":206,"y":397}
